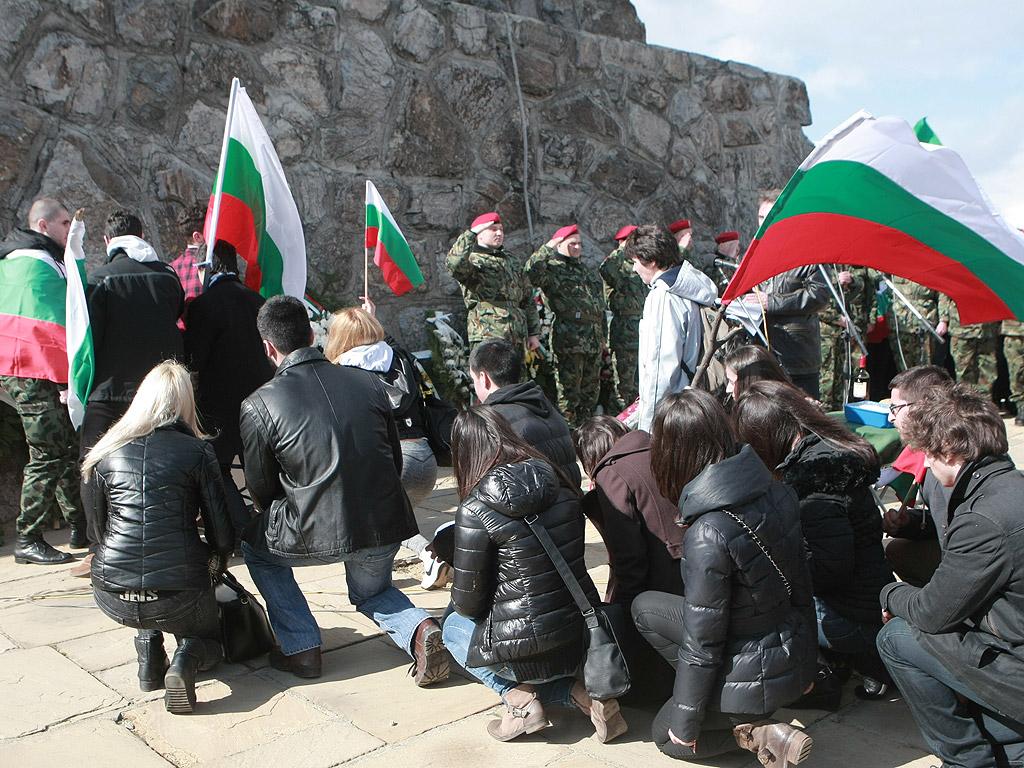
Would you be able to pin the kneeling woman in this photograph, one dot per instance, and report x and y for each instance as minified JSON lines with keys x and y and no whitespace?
{"x":742,"y":638}
{"x":154,"y":475}
{"x":516,"y":627}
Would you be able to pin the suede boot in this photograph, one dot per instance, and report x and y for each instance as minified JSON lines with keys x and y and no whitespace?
{"x":152,"y":661}
{"x":523,"y":714}
{"x":605,"y":715}
{"x":32,"y":548}
{"x":193,"y":654}
{"x":776,"y":744}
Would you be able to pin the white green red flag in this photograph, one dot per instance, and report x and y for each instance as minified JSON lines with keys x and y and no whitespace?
{"x":252,"y":206}
{"x":33,"y":339}
{"x":871,"y":194}
{"x":391,"y":251}
{"x":81,"y":358}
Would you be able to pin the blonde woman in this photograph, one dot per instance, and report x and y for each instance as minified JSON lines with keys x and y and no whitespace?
{"x":154,"y":475}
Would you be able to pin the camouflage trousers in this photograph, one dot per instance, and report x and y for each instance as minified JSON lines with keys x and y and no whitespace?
{"x":626,"y":368}
{"x":51,"y":478}
{"x":1013,"y":350}
{"x":578,"y":376}
{"x":833,"y":362}
{"x":975,"y":361}
{"x":911,"y":343}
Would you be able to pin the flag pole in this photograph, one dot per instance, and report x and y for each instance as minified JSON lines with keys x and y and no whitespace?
{"x":366,"y":274}
{"x":219,"y":185}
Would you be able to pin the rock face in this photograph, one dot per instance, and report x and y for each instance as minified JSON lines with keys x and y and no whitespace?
{"x":121,"y":104}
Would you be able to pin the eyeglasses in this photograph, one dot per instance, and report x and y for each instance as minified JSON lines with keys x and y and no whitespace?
{"x":895,"y":407}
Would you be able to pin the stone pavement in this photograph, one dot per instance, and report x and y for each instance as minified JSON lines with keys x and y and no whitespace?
{"x":68,"y":693}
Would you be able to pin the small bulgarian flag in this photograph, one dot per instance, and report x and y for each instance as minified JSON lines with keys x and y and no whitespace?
{"x":81,"y":356}
{"x":391,"y":251}
{"x":871,"y":194}
{"x":252,"y":207}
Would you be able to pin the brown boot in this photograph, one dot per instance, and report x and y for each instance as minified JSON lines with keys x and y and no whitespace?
{"x":608,"y":721}
{"x":523,"y":714}
{"x":778,"y":745}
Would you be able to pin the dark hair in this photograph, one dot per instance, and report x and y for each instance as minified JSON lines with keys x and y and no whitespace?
{"x":481,"y":440}
{"x":771,"y":416}
{"x":499,"y":360}
{"x":753,"y":363}
{"x":225,"y":257}
{"x":914,"y":381}
{"x":123,"y":223}
{"x":955,"y":421}
{"x":192,"y":219}
{"x":284,"y":322}
{"x":691,"y":431}
{"x":653,"y":244}
{"x":595,"y":437}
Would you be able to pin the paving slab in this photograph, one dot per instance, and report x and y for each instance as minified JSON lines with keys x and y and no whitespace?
{"x":841,"y":746}
{"x":41,"y":687}
{"x":6,"y":643}
{"x":104,"y":650}
{"x":96,"y":741}
{"x":46,"y":619}
{"x":319,"y":746}
{"x":369,"y":684}
{"x":890,"y":719}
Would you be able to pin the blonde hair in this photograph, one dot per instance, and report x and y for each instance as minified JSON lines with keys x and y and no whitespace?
{"x":164,"y":397}
{"x":351,"y":327}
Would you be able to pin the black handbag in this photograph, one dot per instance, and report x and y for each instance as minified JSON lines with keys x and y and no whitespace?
{"x":244,"y":628}
{"x":438,"y":417}
{"x":605,"y":671}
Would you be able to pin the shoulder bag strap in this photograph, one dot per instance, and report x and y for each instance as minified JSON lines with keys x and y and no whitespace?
{"x":560,"y":565}
{"x":757,"y":540}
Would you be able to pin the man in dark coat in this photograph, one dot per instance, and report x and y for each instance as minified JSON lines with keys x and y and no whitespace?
{"x":955,"y":647}
{"x":495,"y":367}
{"x":224,"y":348}
{"x":323,"y":465}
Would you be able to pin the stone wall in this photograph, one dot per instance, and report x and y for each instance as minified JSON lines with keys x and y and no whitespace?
{"x":121,"y":103}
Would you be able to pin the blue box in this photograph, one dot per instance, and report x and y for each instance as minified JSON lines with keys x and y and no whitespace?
{"x":868,"y":412}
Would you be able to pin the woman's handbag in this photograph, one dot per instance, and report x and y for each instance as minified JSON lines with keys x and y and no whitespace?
{"x":244,"y":628}
{"x":605,"y":672}
{"x":438,"y":417}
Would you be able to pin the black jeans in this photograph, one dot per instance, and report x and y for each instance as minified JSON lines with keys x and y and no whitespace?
{"x":183,"y":614}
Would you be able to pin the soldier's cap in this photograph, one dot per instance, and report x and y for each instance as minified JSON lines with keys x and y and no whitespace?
{"x":564,"y":232}
{"x":625,"y":232}
{"x":483,"y":221}
{"x":726,"y":237}
{"x":678,"y":226}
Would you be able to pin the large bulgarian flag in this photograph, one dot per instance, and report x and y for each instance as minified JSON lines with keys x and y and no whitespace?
{"x":391,"y":251}
{"x":253,"y":208}
{"x":81,"y":358}
{"x":871,"y":194}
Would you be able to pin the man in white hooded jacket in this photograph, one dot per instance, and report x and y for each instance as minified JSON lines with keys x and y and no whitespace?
{"x":670,"y":328}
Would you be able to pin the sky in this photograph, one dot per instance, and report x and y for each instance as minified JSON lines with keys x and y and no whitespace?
{"x":960,"y":64}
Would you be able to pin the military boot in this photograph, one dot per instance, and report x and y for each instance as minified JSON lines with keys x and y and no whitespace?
{"x":152,"y":661}
{"x":32,"y":548}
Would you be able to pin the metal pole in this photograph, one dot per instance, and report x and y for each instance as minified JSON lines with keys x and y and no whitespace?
{"x":913,"y":310}
{"x":850,"y":327}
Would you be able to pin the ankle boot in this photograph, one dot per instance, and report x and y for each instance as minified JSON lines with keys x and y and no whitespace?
{"x":152,"y":661}
{"x":778,"y":745}
{"x":605,"y":715}
{"x":180,"y":680}
{"x":79,"y":539}
{"x":523,"y":714}
{"x":32,"y":548}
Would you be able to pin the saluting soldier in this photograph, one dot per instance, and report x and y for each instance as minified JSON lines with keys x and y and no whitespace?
{"x":625,"y":293}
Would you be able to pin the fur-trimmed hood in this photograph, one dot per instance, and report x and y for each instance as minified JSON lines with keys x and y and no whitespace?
{"x":816,"y":466}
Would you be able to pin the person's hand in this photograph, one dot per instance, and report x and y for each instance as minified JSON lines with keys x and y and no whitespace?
{"x":886,"y":616}
{"x":62,"y":395}
{"x":871,"y":327}
{"x":942,"y":328}
{"x":842,"y":322}
{"x":894,"y":519}
{"x":217,"y":564}
{"x":368,"y":305}
{"x":750,"y":298}
{"x":675,"y":740}
{"x":532,"y":343}
{"x":845,"y":278}
{"x":554,"y":241}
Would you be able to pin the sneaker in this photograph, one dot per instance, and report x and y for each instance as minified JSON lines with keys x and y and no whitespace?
{"x":436,"y":573}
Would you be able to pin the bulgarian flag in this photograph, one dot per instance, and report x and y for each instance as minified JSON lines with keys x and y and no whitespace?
{"x":252,"y":207}
{"x":81,"y":357}
{"x":924,"y":132}
{"x":871,"y":194}
{"x":391,"y":251}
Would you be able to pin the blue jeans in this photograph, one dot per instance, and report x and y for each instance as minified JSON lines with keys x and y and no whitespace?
{"x":368,"y":574}
{"x":840,"y":634}
{"x":962,"y":736}
{"x":500,"y":678}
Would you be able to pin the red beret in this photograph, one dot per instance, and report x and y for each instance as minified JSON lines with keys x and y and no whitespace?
{"x":726,"y":237}
{"x":564,"y":232}
{"x":677,"y":226}
{"x":485,"y":219}
{"x":625,"y":232}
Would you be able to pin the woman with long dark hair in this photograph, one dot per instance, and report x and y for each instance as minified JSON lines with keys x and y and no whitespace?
{"x":831,"y":469}
{"x":515,"y":624}
{"x":742,"y":637}
{"x":750,"y":363}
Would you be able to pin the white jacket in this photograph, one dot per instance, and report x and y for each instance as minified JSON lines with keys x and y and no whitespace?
{"x":670,"y":335}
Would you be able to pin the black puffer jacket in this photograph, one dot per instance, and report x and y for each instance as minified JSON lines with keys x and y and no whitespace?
{"x":149,"y":493}
{"x":792,"y":303}
{"x":842,"y":527}
{"x":505,"y":579}
{"x":749,"y":648}
{"x":538,"y":422}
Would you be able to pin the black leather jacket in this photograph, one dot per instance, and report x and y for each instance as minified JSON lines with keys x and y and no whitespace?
{"x":148,"y":495}
{"x":792,"y":303}
{"x":323,"y":461}
{"x":749,"y":648}
{"x":505,"y":580}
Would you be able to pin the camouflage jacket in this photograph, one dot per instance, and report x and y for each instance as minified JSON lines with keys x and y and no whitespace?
{"x":498,"y":295}
{"x":854,"y":295}
{"x":625,"y":293}
{"x":575,"y":295}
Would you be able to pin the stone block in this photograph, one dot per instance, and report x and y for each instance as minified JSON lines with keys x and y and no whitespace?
{"x":247,"y":22}
{"x":478,"y":95}
{"x":47,"y":620}
{"x":683,"y":109}
{"x":156,"y":26}
{"x":103,"y":650}
{"x":19,"y":129}
{"x":98,"y":739}
{"x":154,"y":89}
{"x":366,"y":71}
{"x":428,"y":142}
{"x":319,"y":746}
{"x":648,"y":91}
{"x":838,"y":746}
{"x":625,"y":176}
{"x":42,"y":688}
{"x":370,"y":10}
{"x":209,"y":70}
{"x":727,"y":93}
{"x":68,"y":76}
{"x":584,"y":113}
{"x":419,"y":34}
{"x":315,"y":25}
{"x":14,"y":21}
{"x":617,"y":18}
{"x":738,"y":132}
{"x":201,"y":134}
{"x":469,"y":26}
{"x":649,"y":132}
{"x":566,"y":156}
{"x":298,"y":73}
{"x":537,"y":72}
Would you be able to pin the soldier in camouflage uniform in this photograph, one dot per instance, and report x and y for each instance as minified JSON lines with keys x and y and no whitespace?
{"x":575,"y":295}
{"x":833,"y":325}
{"x":625,"y":293}
{"x":918,"y":346}
{"x":497,"y":293}
{"x":973,"y":348}
{"x":1013,"y":351}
